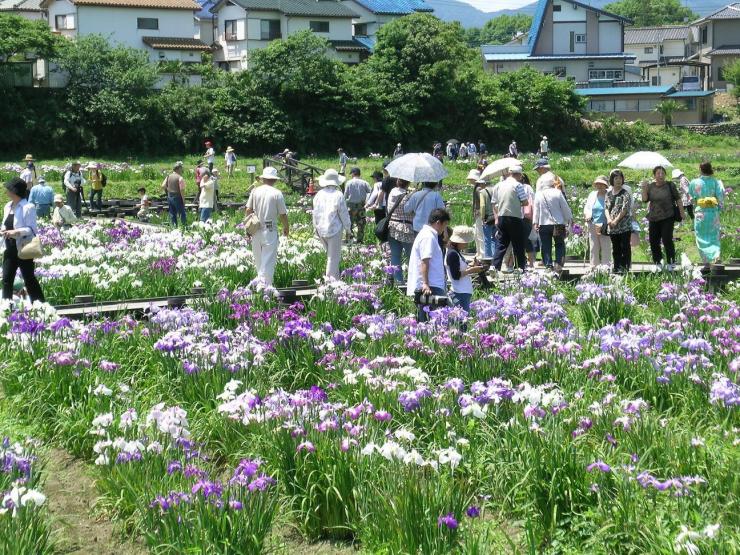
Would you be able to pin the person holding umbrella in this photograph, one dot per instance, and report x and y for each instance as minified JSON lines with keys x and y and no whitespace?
{"x":662,"y":198}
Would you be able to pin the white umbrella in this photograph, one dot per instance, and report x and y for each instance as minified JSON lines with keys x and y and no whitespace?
{"x":499,"y":167}
{"x":644,"y":160}
{"x":417,"y":167}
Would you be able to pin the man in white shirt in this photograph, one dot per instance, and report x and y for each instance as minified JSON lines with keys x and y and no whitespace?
{"x":268,"y":203}
{"x":508,"y":199}
{"x":210,"y":155}
{"x":426,"y":263}
{"x":73,"y":183}
{"x":544,"y":147}
{"x":356,"y":191}
{"x":342,"y":161}
{"x":330,"y":218}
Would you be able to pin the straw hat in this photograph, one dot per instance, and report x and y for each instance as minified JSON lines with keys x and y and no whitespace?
{"x":603,"y":180}
{"x":473,"y":174}
{"x":676,"y":173}
{"x":331,"y":178}
{"x":462,"y":234}
{"x":270,"y":174}
{"x":91,"y":166}
{"x":229,"y":149}
{"x":29,"y":158}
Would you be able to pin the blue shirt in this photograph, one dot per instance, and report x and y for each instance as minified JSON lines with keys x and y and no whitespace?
{"x":597,"y":210}
{"x":41,"y":194}
{"x":421,"y":203}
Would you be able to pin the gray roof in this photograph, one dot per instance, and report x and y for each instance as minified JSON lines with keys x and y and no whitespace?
{"x":731,"y":11}
{"x":321,"y":8}
{"x":20,"y":5}
{"x":654,"y":35}
{"x":725,"y":50}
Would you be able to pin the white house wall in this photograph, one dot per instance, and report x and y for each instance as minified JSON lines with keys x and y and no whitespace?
{"x":575,"y":69}
{"x":610,"y":36}
{"x":63,"y":7}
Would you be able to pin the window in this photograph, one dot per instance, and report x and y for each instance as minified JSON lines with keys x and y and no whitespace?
{"x":162,"y":56}
{"x":648,"y":105}
{"x":499,"y":68}
{"x":361,"y":29}
{"x":559,"y":71}
{"x":648,"y":50}
{"x":269,"y":29}
{"x":602,"y":105}
{"x":64,"y":22}
{"x":616,"y":74}
{"x":230,"y":29}
{"x":655,"y":80}
{"x":626,"y":105}
{"x":690,"y":104}
{"x":149,"y":23}
{"x":704,"y":35}
{"x":556,"y":7}
{"x":319,"y":26}
{"x":661,"y":49}
{"x":581,"y":39}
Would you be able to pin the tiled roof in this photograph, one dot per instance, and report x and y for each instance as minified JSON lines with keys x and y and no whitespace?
{"x":653,"y":35}
{"x":367,"y":42}
{"x":609,"y":91}
{"x":175,"y":43}
{"x":541,"y":10}
{"x":347,"y":46}
{"x":161,"y":4}
{"x":205,"y":9}
{"x":725,"y":50}
{"x":395,"y":7}
{"x":731,"y":11}
{"x":20,"y":5}
{"x":321,"y":8}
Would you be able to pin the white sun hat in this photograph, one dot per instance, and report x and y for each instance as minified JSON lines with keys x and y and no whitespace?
{"x":270,"y":173}
{"x":473,"y":174}
{"x":462,"y":234}
{"x":331,"y":178}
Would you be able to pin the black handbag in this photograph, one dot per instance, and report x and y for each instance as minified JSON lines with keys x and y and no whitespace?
{"x":604,"y":229}
{"x":381,"y":228}
{"x":676,"y":199}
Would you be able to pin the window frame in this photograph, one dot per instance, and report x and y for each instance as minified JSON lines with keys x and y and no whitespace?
{"x":360,"y":27}
{"x":229,"y":36}
{"x":66,"y":18}
{"x":140,"y":20}
{"x":271,"y":24}
{"x":648,"y":50}
{"x":320,"y":24}
{"x":581,"y":36}
{"x":560,"y":71}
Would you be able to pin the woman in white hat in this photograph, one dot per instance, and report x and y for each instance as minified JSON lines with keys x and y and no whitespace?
{"x":458,"y":271}
{"x":95,"y":176}
{"x":230,"y":161}
{"x":331,"y":219}
{"x":268,"y":203}
{"x":595,"y":213}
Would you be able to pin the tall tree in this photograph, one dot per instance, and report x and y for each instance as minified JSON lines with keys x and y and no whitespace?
{"x":646,"y":13}
{"x":499,"y":30}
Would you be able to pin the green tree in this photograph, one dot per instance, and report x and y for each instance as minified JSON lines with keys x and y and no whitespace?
{"x":107,"y":95}
{"x":667,"y":108}
{"x":19,"y":35}
{"x":652,"y":12}
{"x":498,"y":30}
{"x":731,"y":74}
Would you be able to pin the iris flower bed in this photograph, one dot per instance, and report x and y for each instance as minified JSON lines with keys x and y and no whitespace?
{"x":602,"y":418}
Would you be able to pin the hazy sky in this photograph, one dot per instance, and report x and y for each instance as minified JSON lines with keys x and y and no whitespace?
{"x":495,"y":5}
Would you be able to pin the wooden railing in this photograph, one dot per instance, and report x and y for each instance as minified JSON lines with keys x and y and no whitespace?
{"x":293,"y":172}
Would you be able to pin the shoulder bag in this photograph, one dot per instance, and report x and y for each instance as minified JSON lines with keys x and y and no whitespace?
{"x":252,"y":224}
{"x":381,"y":228}
{"x":558,"y":230}
{"x":676,"y":199}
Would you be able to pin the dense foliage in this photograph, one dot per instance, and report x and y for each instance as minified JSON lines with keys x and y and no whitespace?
{"x":646,"y":13}
{"x":498,"y":30}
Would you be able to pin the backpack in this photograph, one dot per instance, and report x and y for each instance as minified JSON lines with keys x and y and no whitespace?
{"x":103,"y":179}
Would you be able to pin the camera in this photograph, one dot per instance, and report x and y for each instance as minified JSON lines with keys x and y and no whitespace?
{"x":78,"y":181}
{"x":430,"y":300}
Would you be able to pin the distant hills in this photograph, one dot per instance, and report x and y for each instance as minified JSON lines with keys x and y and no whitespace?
{"x":470,"y":16}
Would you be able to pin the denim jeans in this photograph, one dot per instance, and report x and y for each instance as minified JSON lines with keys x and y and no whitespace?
{"x":546,"y":240}
{"x":462,"y":300}
{"x":422,"y":315}
{"x":176,"y":206}
{"x":488,"y":240}
{"x":205,"y":214}
{"x":98,"y":205}
{"x":397,"y":249}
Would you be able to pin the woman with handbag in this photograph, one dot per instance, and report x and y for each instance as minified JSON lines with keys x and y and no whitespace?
{"x":618,"y":211}
{"x":551,"y":217}
{"x":664,"y":209}
{"x":400,"y":228}
{"x":21,"y":244}
{"x":595,"y":214}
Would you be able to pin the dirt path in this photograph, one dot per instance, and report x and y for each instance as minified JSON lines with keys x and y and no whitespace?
{"x":71,"y":493}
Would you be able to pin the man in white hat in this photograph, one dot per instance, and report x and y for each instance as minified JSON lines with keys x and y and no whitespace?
{"x":268,"y":203}
{"x":73,"y":183}
{"x":63,"y":215}
{"x":682,"y":182}
{"x":174,"y":187}
{"x":544,"y":147}
{"x":513,"y":150}
{"x":508,"y":199}
{"x":330,"y":219}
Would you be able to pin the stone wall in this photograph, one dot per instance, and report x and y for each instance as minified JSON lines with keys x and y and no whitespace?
{"x":727,"y":129}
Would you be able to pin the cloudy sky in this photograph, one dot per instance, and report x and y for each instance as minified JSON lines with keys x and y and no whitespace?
{"x":495,"y":5}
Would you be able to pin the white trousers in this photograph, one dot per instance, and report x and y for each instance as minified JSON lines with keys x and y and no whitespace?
{"x":480,"y":248}
{"x":264,"y":248}
{"x":601,"y":247}
{"x":333,"y":248}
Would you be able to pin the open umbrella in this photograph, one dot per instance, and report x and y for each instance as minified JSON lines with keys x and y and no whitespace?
{"x":499,"y":167}
{"x":417,"y":167}
{"x":644,"y":160}
{"x":452,"y":141}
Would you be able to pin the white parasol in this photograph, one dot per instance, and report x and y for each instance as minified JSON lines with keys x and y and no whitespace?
{"x":499,"y":167}
{"x":417,"y":167}
{"x":645,"y":160}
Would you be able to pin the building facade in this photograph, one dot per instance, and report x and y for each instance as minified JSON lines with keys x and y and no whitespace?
{"x":718,"y":40}
{"x":373,"y":14}
{"x":243,"y":26}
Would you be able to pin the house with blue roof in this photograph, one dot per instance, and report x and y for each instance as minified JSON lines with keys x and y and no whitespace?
{"x":373,"y":14}
{"x":568,"y":39}
{"x":205,"y":22}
